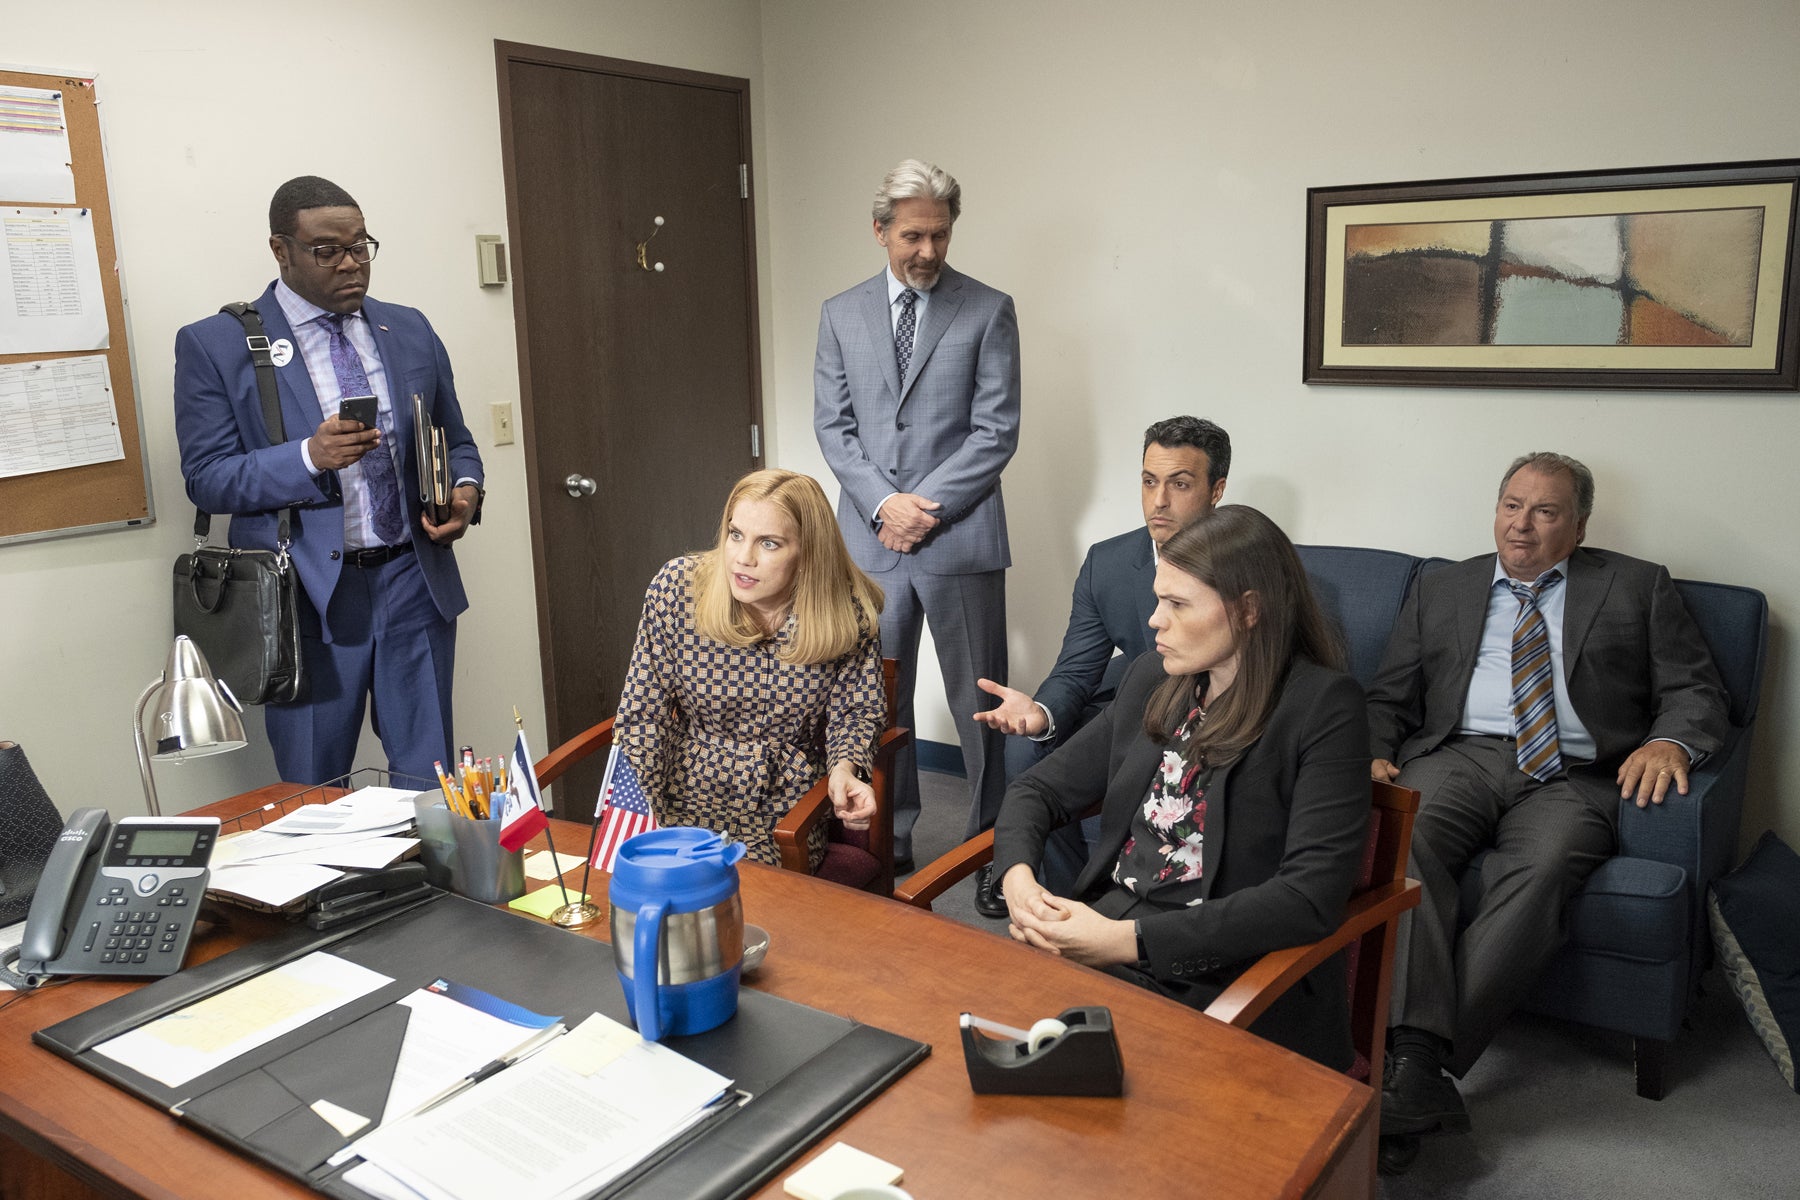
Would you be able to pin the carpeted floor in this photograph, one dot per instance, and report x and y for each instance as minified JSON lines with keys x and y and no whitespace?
{"x":1556,"y":1113}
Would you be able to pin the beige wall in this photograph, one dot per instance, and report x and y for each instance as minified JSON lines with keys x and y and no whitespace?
{"x":1135,"y":174}
{"x":207,"y":107}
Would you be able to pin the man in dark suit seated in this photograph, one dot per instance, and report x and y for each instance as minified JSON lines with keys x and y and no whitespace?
{"x":1185,"y":462}
{"x":1525,"y":696}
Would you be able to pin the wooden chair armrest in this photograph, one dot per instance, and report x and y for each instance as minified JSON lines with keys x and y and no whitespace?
{"x":1251,"y":993}
{"x":936,"y":878}
{"x":794,"y":830}
{"x":550,"y":768}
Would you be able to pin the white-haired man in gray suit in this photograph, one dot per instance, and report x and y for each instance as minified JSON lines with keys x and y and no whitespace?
{"x":916,"y":406}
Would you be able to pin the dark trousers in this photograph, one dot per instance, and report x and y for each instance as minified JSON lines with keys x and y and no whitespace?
{"x":391,"y":648}
{"x":1545,"y":838}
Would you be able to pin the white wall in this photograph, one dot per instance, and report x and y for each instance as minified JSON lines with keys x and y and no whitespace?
{"x":207,"y":107}
{"x":1135,"y":174}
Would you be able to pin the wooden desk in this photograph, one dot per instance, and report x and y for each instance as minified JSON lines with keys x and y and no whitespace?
{"x":1207,"y":1109}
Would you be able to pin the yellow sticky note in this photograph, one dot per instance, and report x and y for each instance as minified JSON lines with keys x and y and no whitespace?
{"x":545,"y":901}
{"x":839,"y":1169}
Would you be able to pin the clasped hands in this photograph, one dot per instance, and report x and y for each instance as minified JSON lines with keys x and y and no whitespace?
{"x":905,"y":520}
{"x":1064,"y":927}
{"x":852,"y":799}
{"x":1644,"y":777}
{"x":338,"y":443}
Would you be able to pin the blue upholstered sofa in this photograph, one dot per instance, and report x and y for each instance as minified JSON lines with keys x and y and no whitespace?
{"x":1638,"y":936}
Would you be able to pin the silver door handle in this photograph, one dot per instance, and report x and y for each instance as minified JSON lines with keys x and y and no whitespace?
{"x":578,"y":486}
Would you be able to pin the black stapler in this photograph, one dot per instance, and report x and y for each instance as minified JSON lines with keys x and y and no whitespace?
{"x":357,"y":896}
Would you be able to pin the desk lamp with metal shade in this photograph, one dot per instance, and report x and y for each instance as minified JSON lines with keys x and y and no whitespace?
{"x":196,"y":715}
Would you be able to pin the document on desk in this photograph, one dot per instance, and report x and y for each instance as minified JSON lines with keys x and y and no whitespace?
{"x":209,"y":1033}
{"x":454,"y":1032}
{"x":559,"y":1125}
{"x":287,"y":859}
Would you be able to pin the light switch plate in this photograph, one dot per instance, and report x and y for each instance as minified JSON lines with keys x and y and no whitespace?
{"x":503,"y":425}
{"x":490,"y":260}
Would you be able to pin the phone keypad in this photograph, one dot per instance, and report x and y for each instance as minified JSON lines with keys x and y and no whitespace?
{"x":124,"y":936}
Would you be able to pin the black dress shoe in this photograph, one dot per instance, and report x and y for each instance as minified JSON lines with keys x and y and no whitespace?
{"x":1396,"y":1153}
{"x":989,"y":900}
{"x":903,"y":866}
{"x":1417,"y":1097}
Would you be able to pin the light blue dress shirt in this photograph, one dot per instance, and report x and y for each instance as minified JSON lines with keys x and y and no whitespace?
{"x":1488,"y":707}
{"x":314,"y":348}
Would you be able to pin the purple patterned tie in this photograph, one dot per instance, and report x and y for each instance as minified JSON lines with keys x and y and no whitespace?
{"x":903,"y":331}
{"x":378,"y":465}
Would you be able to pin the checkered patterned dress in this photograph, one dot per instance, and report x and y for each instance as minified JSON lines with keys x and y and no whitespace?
{"x":729,"y":739}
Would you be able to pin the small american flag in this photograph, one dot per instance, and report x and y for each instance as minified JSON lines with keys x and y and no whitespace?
{"x":626,"y":808}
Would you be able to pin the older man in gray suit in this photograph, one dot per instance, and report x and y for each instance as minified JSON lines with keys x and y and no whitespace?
{"x":916,"y":407}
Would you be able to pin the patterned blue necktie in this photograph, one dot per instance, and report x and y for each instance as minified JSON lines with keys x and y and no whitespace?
{"x":377,"y":465}
{"x":1534,"y":685}
{"x":903,"y":332}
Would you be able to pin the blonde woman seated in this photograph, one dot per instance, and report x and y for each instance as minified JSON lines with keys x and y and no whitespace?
{"x":1233,"y":775}
{"x":757,"y":671}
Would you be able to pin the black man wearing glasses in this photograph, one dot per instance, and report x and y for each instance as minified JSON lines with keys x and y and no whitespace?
{"x":380,"y":592}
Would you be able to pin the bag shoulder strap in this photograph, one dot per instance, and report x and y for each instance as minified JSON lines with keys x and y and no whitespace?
{"x":257,"y":340}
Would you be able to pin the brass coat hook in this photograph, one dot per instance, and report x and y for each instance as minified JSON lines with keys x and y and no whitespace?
{"x":642,"y":247}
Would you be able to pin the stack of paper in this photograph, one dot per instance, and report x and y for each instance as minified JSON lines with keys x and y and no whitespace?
{"x":562,"y":1124}
{"x":286,"y":859}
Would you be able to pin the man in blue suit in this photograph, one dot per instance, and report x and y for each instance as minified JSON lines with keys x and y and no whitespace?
{"x":1184,"y":467}
{"x":916,"y":407}
{"x":380,"y":591}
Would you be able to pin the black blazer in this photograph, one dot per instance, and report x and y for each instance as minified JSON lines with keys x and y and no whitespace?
{"x":1636,"y":665}
{"x":1285,"y":828}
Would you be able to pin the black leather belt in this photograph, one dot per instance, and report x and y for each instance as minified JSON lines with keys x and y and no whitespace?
{"x":376,"y":555}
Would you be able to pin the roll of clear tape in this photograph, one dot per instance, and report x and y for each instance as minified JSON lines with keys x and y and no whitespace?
{"x":1044,"y":1032}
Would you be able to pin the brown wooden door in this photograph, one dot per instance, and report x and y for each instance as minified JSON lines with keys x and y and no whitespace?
{"x":644,"y":381}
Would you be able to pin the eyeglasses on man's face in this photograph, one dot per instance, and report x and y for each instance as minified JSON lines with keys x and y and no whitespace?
{"x":330,"y":255}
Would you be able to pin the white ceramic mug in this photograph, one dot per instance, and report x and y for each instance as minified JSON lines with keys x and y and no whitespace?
{"x":874,"y":1192}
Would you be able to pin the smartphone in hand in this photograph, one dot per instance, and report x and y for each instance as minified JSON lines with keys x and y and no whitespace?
{"x":361,"y":409}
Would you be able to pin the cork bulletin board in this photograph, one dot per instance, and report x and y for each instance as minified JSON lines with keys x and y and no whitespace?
{"x":43,"y":503}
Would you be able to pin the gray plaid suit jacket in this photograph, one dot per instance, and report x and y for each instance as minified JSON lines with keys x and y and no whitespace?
{"x":945,"y":432}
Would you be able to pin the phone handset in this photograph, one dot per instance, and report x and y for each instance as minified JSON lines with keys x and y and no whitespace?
{"x":73,"y":862}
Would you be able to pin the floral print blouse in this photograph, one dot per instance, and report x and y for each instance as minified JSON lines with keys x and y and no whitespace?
{"x":1162,"y":853}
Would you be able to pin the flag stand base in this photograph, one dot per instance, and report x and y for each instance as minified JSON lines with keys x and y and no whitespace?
{"x":574,"y":916}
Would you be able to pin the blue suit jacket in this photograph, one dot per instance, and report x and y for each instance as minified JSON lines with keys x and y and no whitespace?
{"x":945,"y":432}
{"x":231,"y":467}
{"x":1114,"y":597}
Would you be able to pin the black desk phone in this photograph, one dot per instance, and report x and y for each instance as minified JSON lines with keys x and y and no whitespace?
{"x":118,"y":899}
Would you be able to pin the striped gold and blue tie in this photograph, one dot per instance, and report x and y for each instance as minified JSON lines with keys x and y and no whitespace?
{"x":1534,"y":684}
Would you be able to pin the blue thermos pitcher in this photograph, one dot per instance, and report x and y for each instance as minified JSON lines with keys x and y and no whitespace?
{"x":678,"y":929}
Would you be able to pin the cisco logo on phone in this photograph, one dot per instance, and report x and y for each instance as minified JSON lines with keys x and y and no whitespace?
{"x":73,"y":835}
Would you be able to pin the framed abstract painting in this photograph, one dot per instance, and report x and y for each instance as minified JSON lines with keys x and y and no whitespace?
{"x":1668,"y":278}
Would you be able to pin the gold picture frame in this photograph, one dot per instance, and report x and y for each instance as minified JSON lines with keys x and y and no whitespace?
{"x":1664,"y":278}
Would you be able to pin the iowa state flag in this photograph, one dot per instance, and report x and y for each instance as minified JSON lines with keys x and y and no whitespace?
{"x":624,"y":810}
{"x":522,"y":815}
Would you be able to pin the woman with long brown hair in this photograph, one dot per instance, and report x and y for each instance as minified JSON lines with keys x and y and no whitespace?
{"x":1233,"y":773}
{"x":757,"y":671}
